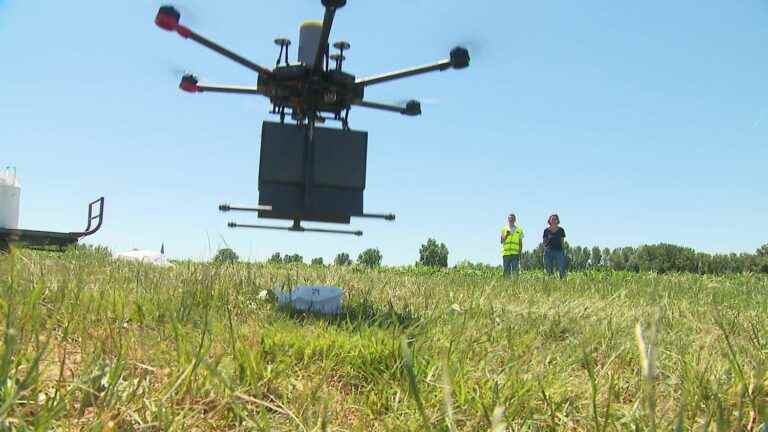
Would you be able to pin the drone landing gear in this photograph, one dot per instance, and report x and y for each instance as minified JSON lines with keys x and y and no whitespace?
{"x":296,"y":227}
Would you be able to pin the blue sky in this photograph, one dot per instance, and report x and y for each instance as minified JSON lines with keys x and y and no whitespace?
{"x":637,"y":122}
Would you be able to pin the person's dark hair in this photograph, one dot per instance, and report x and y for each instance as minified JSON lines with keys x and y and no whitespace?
{"x":553,"y":215}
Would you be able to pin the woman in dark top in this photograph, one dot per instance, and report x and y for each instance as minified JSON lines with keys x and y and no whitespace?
{"x":553,"y":246}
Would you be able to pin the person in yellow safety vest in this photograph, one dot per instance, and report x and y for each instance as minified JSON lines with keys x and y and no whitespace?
{"x":511,"y":245}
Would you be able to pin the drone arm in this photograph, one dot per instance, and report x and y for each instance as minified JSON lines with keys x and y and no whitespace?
{"x":190,"y":84}
{"x":168,"y":19}
{"x":459,"y":59}
{"x":221,"y":50}
{"x":412,"y":108}
{"x":227,"y":89}
{"x":379,"y":106}
{"x":440,"y":66}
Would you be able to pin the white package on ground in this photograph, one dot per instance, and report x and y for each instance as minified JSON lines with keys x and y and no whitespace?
{"x":312,"y":298}
{"x":10,"y":193}
{"x":145,"y":256}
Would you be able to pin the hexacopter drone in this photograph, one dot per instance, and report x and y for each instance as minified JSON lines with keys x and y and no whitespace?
{"x":306,"y":172}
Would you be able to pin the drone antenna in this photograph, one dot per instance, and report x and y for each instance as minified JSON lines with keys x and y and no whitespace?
{"x":284,"y":43}
{"x":341,"y":46}
{"x":339,"y":59}
{"x":286,"y":53}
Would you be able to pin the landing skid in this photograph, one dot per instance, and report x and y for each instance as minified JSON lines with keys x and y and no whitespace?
{"x":296,"y":227}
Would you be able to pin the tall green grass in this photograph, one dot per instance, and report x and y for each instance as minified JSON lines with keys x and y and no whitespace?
{"x":89,"y":343}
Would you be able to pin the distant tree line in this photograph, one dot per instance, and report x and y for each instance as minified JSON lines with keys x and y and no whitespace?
{"x":659,"y":258}
{"x":276,"y":258}
{"x":431,"y":254}
{"x":368,"y":258}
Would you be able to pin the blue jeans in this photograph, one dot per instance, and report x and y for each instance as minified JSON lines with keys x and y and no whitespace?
{"x":550,"y":256}
{"x":511,"y":264}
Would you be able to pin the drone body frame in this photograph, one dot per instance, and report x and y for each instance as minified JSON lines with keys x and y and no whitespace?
{"x":309,"y":93}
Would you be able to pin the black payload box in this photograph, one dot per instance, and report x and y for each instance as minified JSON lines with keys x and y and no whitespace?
{"x":319,"y":180}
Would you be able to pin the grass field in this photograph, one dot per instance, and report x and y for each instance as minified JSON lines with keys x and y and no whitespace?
{"x":93,"y":344}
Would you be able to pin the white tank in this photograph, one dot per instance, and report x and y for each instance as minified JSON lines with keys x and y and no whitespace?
{"x":309,"y":39}
{"x":10,"y":193}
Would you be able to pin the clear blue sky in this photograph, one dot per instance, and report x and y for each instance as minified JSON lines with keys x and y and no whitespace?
{"x":638,"y":122}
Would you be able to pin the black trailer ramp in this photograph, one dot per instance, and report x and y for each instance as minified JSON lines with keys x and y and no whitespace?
{"x":49,"y":240}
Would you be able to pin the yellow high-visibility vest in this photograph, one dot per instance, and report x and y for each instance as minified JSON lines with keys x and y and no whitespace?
{"x":511,"y":245}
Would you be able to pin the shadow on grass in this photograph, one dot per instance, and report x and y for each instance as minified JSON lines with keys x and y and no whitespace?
{"x":360,"y":314}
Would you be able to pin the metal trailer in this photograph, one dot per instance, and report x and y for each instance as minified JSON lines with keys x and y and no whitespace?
{"x":53,"y":241}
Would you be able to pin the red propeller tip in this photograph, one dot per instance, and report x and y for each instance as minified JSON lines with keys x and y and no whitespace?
{"x":189,"y":84}
{"x":168,"y":18}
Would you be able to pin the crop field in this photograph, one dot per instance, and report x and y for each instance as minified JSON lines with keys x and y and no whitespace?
{"x":91,"y":344}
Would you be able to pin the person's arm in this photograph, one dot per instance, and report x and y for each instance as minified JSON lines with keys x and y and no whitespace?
{"x":521,"y":242}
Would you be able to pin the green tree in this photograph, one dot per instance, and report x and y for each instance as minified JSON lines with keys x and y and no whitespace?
{"x":754,"y":263}
{"x":623,"y":259}
{"x":295,"y":258}
{"x":317,"y":261}
{"x":467,"y":266}
{"x":275,"y":258}
{"x":533,"y":259}
{"x":762,"y":251}
{"x":225,"y":255}
{"x":705,"y":263}
{"x":664,"y":258}
{"x":433,"y":254}
{"x":606,"y":258}
{"x":616,"y":262}
{"x":342,"y":259}
{"x":596,"y":258}
{"x":370,"y":258}
{"x":577,"y":256}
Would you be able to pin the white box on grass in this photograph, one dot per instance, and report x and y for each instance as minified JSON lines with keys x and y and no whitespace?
{"x":312,"y":298}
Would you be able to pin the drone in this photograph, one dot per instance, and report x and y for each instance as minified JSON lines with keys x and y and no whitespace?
{"x":307,"y":172}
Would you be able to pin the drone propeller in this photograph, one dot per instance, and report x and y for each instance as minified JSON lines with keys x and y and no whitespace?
{"x":475,"y":44}
{"x":177,"y":73}
{"x":422,"y":101}
{"x":184,"y":78}
{"x":189,"y":83}
{"x":183,"y":7}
